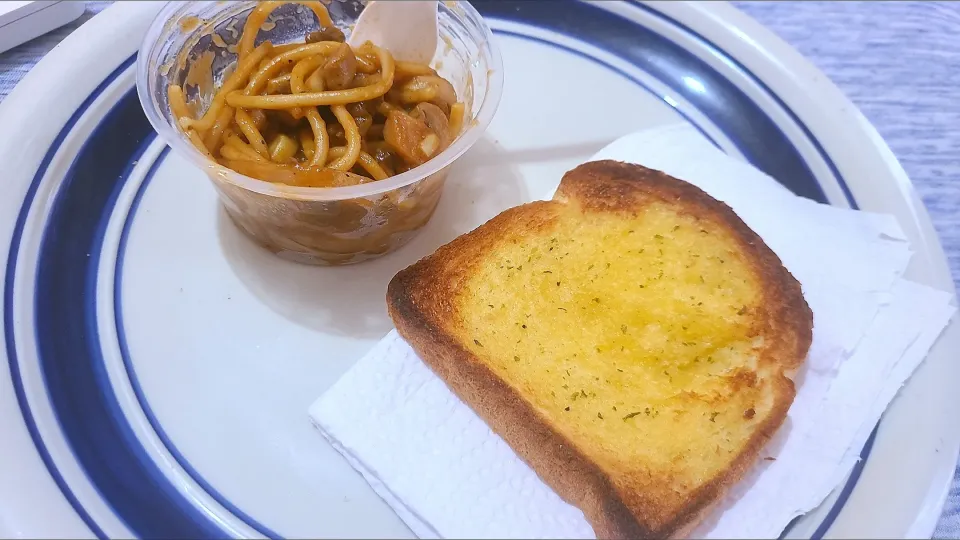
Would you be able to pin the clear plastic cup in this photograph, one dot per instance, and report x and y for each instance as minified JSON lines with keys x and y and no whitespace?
{"x":337,"y":225}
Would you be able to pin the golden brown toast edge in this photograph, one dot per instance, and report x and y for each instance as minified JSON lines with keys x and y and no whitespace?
{"x":422,"y":296}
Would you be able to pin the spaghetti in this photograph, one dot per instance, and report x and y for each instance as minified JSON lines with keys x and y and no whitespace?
{"x":320,"y":113}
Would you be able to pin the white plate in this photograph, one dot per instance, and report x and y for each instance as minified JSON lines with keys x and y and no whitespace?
{"x":161,"y":364}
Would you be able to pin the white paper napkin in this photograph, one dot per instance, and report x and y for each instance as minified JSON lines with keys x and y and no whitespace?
{"x":448,"y":475}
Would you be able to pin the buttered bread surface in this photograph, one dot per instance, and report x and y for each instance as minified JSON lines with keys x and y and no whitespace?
{"x":633,"y":336}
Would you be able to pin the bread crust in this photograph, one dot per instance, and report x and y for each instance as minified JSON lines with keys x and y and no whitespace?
{"x":421,"y":298}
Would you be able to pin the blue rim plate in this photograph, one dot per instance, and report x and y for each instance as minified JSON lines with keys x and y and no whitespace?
{"x":160,"y":365}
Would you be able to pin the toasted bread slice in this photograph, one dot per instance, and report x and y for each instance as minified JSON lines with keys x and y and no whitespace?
{"x":632,"y":340}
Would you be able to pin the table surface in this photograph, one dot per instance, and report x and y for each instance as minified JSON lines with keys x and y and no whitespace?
{"x":898,"y":61}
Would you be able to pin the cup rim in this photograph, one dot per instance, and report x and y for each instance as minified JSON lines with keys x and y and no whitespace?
{"x":467,"y":139}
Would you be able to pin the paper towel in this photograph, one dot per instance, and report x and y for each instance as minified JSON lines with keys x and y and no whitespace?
{"x":447,"y":475}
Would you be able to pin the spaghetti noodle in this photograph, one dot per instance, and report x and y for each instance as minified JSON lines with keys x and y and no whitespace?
{"x":320,"y":113}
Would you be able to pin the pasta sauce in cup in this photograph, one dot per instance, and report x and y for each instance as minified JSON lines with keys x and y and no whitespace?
{"x":321,"y":152}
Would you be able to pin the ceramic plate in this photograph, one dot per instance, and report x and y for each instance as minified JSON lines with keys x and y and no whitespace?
{"x":161,"y":365}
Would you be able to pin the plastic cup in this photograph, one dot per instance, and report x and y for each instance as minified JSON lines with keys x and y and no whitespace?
{"x":324,"y":226}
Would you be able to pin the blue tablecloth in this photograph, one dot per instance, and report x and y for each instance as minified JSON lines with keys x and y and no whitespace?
{"x":898,"y":61}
